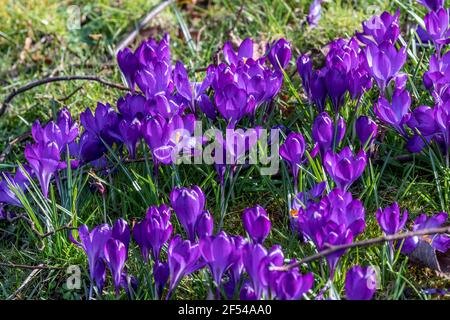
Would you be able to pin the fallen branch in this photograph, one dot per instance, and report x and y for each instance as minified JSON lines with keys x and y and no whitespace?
{"x":36,"y":232}
{"x":363,"y":243}
{"x":153,"y":13}
{"x":40,"y":82}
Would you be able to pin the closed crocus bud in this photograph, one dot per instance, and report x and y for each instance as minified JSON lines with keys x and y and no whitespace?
{"x":337,"y":84}
{"x":366,"y":130}
{"x":188,"y":204}
{"x":360,"y":283}
{"x":305,"y":69}
{"x":293,"y":151}
{"x":219,"y":252}
{"x":205,"y":225}
{"x":115,"y":254}
{"x":345,"y":167}
{"x":129,"y":65}
{"x":280,"y":54}
{"x":390,"y":219}
{"x":256,"y":223}
{"x":323,"y":132}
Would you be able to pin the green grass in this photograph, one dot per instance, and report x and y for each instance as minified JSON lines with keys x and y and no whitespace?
{"x":196,"y":31}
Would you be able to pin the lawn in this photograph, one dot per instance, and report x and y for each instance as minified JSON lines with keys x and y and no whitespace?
{"x":46,"y":39}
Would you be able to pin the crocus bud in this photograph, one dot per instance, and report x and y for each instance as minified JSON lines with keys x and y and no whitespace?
{"x":280,"y":54}
{"x":360,"y":283}
{"x":256,"y":223}
{"x":115,"y":256}
{"x":366,"y":129}
{"x":205,"y":225}
{"x":305,"y":69}
{"x":188,"y":205}
{"x":323,"y":132}
{"x":293,"y":151}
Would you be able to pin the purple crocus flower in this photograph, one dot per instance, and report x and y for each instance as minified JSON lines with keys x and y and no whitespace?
{"x":440,"y":242}
{"x":103,"y":124}
{"x":245,"y":52}
{"x":395,"y":114}
{"x":337,"y":85}
{"x":390,"y":219}
{"x":360,"y":283}
{"x":366,"y":130}
{"x":437,"y":27}
{"x":115,"y":253}
{"x":121,"y":231}
{"x":256,"y":223}
{"x":129,"y":65}
{"x":130,"y":134}
{"x":380,"y":28}
{"x":132,"y":106}
{"x":45,"y":161}
{"x":333,"y":235}
{"x":423,"y":120}
{"x":188,"y":204}
{"x":331,"y":222}
{"x":167,"y":137}
{"x":384,"y":62}
{"x":432,"y":5}
{"x":62,"y":132}
{"x":182,"y":257}
{"x":154,"y":231}
{"x":293,"y":151}
{"x":345,"y":167}
{"x":342,"y":209}
{"x":280,"y":54}
{"x":323,"y":132}
{"x":219,"y":252}
{"x":93,"y":243}
{"x":305,"y":71}
{"x":292,"y":285}
{"x":205,"y":225}
{"x":437,"y":77}
{"x":315,"y":12}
